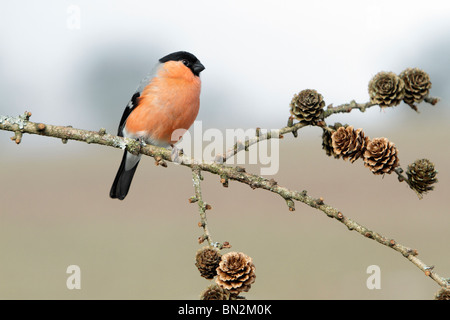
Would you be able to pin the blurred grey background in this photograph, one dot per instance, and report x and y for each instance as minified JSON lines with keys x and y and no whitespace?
{"x":78,"y":62}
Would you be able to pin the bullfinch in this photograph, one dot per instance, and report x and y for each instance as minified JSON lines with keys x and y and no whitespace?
{"x":166,"y":100}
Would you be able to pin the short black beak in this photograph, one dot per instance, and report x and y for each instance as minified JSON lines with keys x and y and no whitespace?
{"x":198,"y":67}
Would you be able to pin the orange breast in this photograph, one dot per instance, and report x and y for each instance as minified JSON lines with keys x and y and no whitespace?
{"x":169,"y":102}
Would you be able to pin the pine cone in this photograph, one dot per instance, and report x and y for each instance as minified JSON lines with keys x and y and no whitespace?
{"x":236,"y":272}
{"x":207,"y":261}
{"x":417,"y":85}
{"x":386,"y":89}
{"x":307,"y":106}
{"x":442,"y":294}
{"x":421,"y":175}
{"x":327,"y":142}
{"x":349,"y":143}
{"x":381,"y":156}
{"x":214,"y":292}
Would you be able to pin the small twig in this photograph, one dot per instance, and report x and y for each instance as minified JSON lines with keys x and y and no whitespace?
{"x":291,"y":127}
{"x":432,"y":100}
{"x":402,"y":178}
{"x":347,"y":107}
{"x":202,"y":206}
{"x":294,"y":127}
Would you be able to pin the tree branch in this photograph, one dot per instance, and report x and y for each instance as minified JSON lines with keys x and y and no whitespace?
{"x":202,"y":207}
{"x":293,"y":128}
{"x":348,"y":107}
{"x":21,"y":124}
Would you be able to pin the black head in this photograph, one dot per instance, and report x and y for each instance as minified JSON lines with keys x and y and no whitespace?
{"x":188,"y":59}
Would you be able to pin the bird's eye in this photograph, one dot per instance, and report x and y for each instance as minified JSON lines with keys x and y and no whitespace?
{"x":185,"y":62}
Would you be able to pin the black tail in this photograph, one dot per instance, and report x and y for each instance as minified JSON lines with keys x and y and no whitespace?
{"x":122,"y":182}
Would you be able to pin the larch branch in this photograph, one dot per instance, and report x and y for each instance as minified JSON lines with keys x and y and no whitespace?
{"x":21,"y":125}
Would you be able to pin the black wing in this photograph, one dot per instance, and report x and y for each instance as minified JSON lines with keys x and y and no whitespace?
{"x":130,"y":107}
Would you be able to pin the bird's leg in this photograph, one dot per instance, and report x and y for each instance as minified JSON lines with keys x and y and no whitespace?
{"x":176,"y":153}
{"x":141,"y":141}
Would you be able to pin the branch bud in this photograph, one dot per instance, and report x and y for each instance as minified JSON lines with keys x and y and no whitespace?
{"x":193,"y":199}
{"x":41,"y":127}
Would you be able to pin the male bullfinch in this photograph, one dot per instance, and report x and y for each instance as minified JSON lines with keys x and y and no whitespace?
{"x":166,"y":100}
